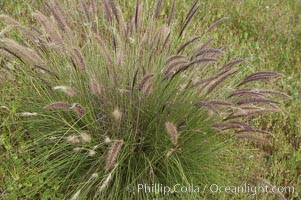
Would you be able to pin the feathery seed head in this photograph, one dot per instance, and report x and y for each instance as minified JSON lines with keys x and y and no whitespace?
{"x":78,"y":109}
{"x":172,"y":132}
{"x":95,"y":87}
{"x":67,"y":90}
{"x":76,"y":195}
{"x":107,"y":140}
{"x":58,"y":105}
{"x":113,"y":153}
{"x":85,"y":137}
{"x":73,"y":139}
{"x":27,"y":114}
{"x":117,"y":114}
{"x":91,"y":152}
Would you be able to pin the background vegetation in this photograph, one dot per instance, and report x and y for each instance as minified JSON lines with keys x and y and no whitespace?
{"x":269,"y":34}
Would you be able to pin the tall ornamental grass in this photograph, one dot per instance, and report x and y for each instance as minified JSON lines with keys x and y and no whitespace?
{"x":106,"y":99}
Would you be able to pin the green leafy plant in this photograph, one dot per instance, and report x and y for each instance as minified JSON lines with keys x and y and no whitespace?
{"x":107,"y":101}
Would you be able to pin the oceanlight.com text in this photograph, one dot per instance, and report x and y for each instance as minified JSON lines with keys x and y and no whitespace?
{"x":158,"y":188}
